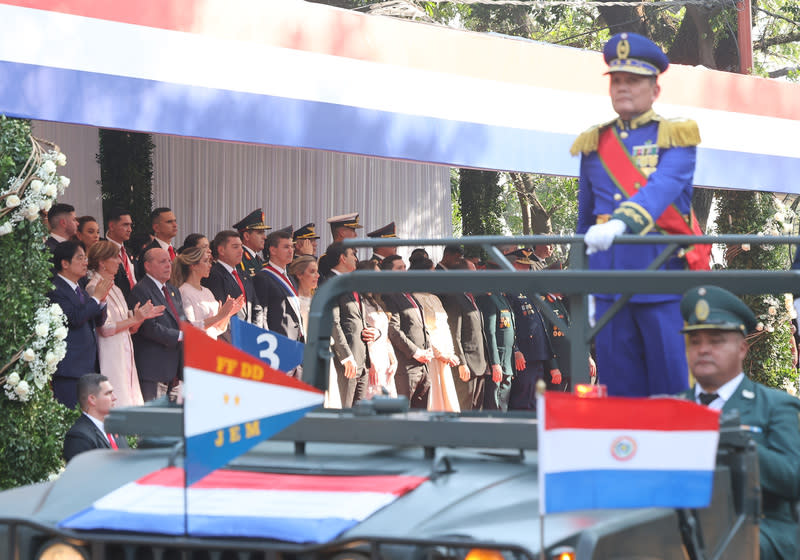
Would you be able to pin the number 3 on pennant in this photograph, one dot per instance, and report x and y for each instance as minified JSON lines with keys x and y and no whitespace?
{"x":269,"y":352}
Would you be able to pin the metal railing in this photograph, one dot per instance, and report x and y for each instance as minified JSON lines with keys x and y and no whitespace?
{"x":576,"y":281}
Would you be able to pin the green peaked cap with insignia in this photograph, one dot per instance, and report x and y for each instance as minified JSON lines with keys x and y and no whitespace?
{"x":713,"y":308}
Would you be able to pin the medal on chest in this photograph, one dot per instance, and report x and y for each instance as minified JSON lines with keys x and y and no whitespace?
{"x":646,"y":157}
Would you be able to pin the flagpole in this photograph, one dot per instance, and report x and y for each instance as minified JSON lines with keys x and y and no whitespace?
{"x":541,"y":387}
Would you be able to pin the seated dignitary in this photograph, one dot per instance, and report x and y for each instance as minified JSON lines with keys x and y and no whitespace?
{"x":96,"y":397}
{"x":83,"y":314}
{"x":157,"y":345}
{"x":716,"y":324}
{"x":253,"y":231}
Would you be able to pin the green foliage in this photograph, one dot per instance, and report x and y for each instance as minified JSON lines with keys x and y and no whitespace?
{"x":14,"y":146}
{"x":769,"y":358}
{"x":126,"y":174}
{"x":32,"y":432}
{"x":480,"y":203}
{"x":32,"y":439}
{"x":455,"y":197}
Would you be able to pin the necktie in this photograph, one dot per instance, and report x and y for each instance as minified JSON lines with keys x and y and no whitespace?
{"x":171,"y":252}
{"x":112,"y":442}
{"x":79,"y":292}
{"x":126,"y":264}
{"x":169,"y":302}
{"x":472,"y":299}
{"x":707,"y":398}
{"x":238,"y":280}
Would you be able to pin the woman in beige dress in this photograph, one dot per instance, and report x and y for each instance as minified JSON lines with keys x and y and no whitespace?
{"x":199,"y":305}
{"x":114,"y":345}
{"x":442,"y":396}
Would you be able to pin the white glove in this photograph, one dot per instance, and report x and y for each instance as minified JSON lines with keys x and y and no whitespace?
{"x":599,"y":237}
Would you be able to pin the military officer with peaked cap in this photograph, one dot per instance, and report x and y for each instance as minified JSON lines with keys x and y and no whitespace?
{"x":342,"y":227}
{"x":386,"y":232}
{"x":636,"y":177}
{"x":305,"y":241}
{"x":716,"y":325}
{"x":253,"y":231}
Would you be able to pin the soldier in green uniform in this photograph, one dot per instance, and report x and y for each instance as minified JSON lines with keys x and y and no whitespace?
{"x":716,"y":325}
{"x":305,"y":241}
{"x":498,"y":321}
{"x":253,"y":231}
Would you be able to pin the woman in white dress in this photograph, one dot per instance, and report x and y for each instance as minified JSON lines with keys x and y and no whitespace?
{"x":442,"y":396}
{"x":305,"y":272}
{"x":199,"y":305}
{"x":114,"y":345}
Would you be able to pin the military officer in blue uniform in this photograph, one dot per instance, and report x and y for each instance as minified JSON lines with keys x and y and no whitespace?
{"x":498,"y":321}
{"x":716,"y":325}
{"x":533,"y":355}
{"x":253,"y":231}
{"x":636,"y":173}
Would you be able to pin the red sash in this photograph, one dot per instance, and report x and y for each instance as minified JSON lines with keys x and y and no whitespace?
{"x":626,"y":175}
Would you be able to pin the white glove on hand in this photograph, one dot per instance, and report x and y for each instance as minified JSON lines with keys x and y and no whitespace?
{"x":599,"y":237}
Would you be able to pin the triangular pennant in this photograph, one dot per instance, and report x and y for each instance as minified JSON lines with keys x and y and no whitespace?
{"x":232,"y":401}
{"x":279,"y":352}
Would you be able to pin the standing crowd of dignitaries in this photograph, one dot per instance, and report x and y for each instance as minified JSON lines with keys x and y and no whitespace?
{"x":125,"y":301}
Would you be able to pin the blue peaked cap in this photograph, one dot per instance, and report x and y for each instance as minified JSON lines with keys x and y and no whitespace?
{"x":630,"y":52}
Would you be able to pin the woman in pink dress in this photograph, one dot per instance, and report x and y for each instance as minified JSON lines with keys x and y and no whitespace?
{"x":199,"y":305}
{"x":114,"y":345}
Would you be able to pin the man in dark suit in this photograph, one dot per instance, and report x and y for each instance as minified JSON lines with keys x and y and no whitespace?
{"x":350,"y":355}
{"x":451,"y":257}
{"x":410,"y":340}
{"x":83,"y":313}
{"x":716,"y":324}
{"x":119,"y":225}
{"x":253,"y":231}
{"x":96,"y":397}
{"x":165,"y":228}
{"x":224,"y":279}
{"x":157,"y":345}
{"x":469,"y":341}
{"x":63,"y":224}
{"x":277,"y":294}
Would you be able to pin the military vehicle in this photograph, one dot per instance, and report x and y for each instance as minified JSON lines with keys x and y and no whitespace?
{"x":480,"y":499}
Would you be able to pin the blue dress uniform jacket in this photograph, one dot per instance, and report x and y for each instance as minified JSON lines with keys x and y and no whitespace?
{"x":640,"y":351}
{"x":775,"y":413}
{"x":533,"y":342}
{"x":669,"y":183}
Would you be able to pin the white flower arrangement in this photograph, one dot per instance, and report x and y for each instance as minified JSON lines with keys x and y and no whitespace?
{"x":38,"y":361}
{"x":23,"y":199}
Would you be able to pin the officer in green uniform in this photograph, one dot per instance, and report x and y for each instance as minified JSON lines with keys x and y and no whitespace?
{"x":716,"y":324}
{"x":253,"y":231}
{"x":498,"y":321}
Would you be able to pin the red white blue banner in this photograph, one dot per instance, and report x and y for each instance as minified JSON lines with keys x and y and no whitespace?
{"x":608,"y":453}
{"x":232,"y":401}
{"x":227,"y":503}
{"x":311,"y":76}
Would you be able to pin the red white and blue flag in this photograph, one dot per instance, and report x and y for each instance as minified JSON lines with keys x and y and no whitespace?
{"x":227,"y":503}
{"x":232,"y":401}
{"x":608,"y":453}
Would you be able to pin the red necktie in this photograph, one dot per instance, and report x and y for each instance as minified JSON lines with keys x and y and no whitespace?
{"x":169,"y":302}
{"x":411,"y":300}
{"x":472,"y":299}
{"x":171,"y":252}
{"x":112,"y":442}
{"x":127,"y":265}
{"x":238,"y":280}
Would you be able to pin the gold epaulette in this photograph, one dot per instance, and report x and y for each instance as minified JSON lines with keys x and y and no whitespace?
{"x":679,"y":133}
{"x":587,"y":141}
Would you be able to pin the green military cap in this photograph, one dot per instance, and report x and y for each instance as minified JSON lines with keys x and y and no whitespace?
{"x":254,"y":220}
{"x":306,"y":232}
{"x":386,"y":231}
{"x":712,"y":308}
